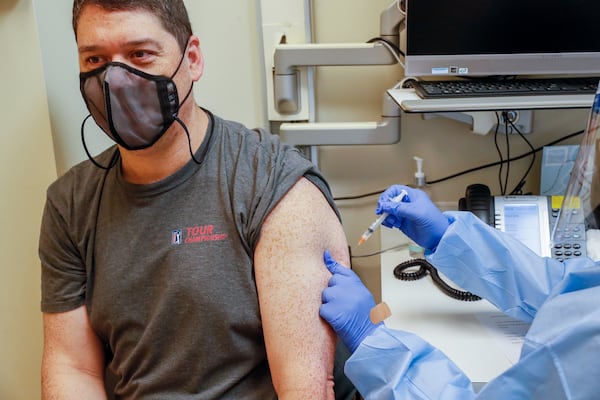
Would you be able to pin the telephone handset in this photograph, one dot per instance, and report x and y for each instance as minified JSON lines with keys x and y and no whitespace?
{"x":478,"y":200}
{"x":527,"y":218}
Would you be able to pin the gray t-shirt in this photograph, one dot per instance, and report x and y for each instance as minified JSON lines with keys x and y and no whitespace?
{"x":166,"y":269}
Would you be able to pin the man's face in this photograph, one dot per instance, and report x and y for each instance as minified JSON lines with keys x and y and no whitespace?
{"x":136,"y":38}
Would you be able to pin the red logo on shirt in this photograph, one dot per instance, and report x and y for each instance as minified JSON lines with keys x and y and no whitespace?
{"x":202,"y":233}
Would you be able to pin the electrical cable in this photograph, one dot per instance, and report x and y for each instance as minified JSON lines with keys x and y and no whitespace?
{"x":470,"y":170}
{"x":499,"y":153}
{"x":377,"y":253}
{"x":405,"y":83}
{"x":359,"y":196}
{"x":503,"y":119}
{"x":493,"y":164}
{"x":507,"y":141}
{"x":509,"y":128}
{"x":518,"y":188}
{"x":391,"y":47}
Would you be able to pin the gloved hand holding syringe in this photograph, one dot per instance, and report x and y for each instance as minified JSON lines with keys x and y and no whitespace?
{"x":365,"y":236}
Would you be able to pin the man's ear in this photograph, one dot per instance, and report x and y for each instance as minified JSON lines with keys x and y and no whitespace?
{"x":195,"y":58}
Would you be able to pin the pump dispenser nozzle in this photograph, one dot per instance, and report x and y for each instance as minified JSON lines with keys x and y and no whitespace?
{"x":419,"y":175}
{"x":414,"y":250}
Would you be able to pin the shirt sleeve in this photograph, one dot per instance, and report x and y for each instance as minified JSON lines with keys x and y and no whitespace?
{"x":276,"y":167}
{"x":63,"y":272}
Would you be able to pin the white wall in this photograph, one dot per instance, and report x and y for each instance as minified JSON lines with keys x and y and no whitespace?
{"x":233,"y":84}
{"x":61,"y":70}
{"x":26,"y":169}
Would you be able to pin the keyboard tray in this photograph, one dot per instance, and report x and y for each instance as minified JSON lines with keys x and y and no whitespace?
{"x":505,"y":87}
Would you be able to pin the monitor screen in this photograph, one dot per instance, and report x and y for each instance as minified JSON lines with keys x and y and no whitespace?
{"x":502,"y":37}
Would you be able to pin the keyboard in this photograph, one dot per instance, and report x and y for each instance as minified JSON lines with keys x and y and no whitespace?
{"x":505,"y":87}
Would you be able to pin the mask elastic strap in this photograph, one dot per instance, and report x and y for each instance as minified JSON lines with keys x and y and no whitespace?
{"x":179,"y":121}
{"x":180,"y":60}
{"x":187,"y":133}
{"x":113,"y":160}
{"x":175,"y":73}
{"x":187,"y":94}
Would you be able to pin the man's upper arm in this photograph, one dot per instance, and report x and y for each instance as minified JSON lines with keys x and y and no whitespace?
{"x":290,"y":276}
{"x":73,"y":358}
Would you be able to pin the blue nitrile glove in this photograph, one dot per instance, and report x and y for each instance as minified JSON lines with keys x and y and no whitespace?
{"x":415,"y":215}
{"x":347,"y":304}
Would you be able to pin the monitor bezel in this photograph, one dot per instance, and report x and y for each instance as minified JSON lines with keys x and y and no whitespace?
{"x":560,"y":62}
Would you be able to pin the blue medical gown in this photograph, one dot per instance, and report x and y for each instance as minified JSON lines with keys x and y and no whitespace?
{"x":560,"y":358}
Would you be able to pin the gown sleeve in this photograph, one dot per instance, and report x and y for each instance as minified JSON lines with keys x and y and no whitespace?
{"x":558,"y":299}
{"x":499,"y":268}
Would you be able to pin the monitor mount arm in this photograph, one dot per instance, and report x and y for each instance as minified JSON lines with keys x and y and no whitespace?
{"x":387,"y":131}
{"x":286,"y":82}
{"x":390,"y":22}
{"x":288,"y":57}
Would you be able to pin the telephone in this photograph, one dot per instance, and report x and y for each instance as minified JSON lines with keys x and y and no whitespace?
{"x":529,"y":219}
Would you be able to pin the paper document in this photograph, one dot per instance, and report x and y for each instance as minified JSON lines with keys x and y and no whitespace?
{"x":507,"y":332}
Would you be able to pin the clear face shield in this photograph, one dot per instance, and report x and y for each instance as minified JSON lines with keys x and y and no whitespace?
{"x":581,"y":204}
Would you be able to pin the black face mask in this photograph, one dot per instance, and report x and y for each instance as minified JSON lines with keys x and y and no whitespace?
{"x":132,"y":107}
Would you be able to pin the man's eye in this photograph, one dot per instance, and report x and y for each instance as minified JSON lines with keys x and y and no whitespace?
{"x":94,"y":60}
{"x":140,"y":54}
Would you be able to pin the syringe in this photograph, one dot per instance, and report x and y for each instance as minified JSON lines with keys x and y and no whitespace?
{"x":365,"y":236}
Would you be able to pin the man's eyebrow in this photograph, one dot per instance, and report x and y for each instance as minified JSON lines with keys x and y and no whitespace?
{"x":131,"y":43}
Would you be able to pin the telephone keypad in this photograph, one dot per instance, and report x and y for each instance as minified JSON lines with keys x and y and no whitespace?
{"x":573,"y":237}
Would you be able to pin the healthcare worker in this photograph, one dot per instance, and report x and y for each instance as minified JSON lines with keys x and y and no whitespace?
{"x":560,"y":358}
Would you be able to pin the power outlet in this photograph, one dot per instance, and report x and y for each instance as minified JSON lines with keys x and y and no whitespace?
{"x":513,"y":120}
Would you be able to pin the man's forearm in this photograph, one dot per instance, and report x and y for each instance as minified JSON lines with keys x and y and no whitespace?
{"x":61,"y":382}
{"x":326,"y":393}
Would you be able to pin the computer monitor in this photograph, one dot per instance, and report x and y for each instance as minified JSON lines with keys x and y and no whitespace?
{"x":502,"y":37}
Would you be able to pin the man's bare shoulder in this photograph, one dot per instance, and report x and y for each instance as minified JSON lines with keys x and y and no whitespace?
{"x":305,"y":221}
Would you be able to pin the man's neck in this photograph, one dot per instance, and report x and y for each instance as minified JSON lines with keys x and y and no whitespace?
{"x":169,"y":154}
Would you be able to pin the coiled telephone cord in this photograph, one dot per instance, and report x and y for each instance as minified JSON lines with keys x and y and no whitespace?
{"x":426,"y":268}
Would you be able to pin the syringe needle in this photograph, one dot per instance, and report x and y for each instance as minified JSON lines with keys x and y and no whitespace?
{"x":367,"y":234}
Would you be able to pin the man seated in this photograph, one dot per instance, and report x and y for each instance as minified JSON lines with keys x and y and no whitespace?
{"x":187,"y":258}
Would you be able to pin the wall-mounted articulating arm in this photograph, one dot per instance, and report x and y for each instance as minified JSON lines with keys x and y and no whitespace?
{"x":390,"y":23}
{"x":387,"y":131}
{"x":288,"y":57}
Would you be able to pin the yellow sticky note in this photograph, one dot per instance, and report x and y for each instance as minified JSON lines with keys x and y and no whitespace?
{"x":557,"y":202}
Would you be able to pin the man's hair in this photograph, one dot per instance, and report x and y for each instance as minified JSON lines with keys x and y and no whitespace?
{"x":172,"y":14}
